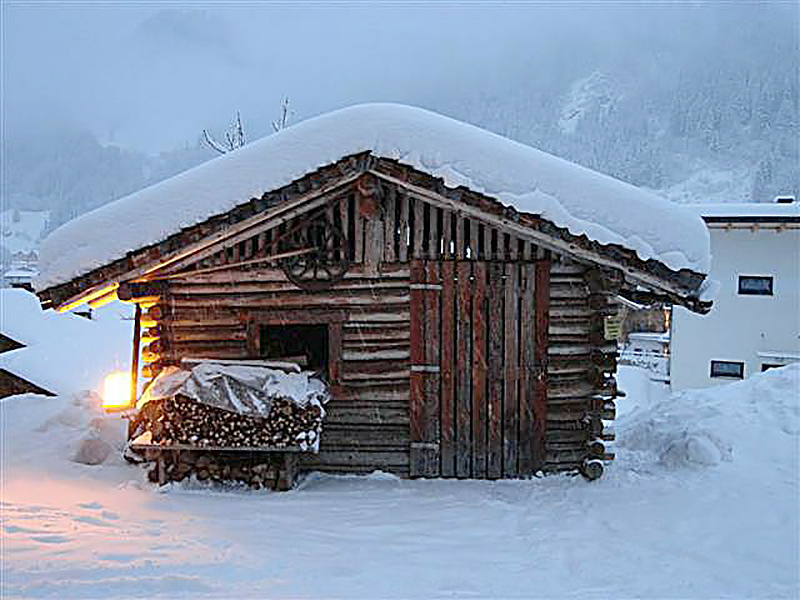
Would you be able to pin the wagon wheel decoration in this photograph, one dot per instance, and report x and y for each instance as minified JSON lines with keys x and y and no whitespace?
{"x":323,"y":260}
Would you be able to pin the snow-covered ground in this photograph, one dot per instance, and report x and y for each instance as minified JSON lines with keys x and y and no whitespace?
{"x":702,"y":502}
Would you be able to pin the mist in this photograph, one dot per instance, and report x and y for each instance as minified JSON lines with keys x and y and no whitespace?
{"x":152,"y":78}
{"x":148,"y":78}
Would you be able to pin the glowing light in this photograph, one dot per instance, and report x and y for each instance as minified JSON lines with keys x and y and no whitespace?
{"x":117,"y":391}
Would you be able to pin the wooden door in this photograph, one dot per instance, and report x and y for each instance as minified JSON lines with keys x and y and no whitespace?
{"x":478,"y":402}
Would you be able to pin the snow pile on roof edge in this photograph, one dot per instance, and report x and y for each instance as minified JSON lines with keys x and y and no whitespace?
{"x":583,"y":201}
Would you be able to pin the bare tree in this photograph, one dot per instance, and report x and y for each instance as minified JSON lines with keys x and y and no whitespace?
{"x":286,"y":114}
{"x":234,"y":137}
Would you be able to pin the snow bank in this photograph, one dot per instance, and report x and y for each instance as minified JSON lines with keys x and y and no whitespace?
{"x":755,"y":422}
{"x":63,"y":353}
{"x":585,"y":202}
{"x":644,"y":530}
{"x":72,"y":427}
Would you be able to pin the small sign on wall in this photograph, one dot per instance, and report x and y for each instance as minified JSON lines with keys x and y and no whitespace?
{"x":612,"y":327}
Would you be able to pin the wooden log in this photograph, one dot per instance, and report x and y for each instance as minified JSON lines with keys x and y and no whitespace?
{"x":592,"y":469}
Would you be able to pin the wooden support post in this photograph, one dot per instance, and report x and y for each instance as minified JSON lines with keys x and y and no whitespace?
{"x":137,"y":336}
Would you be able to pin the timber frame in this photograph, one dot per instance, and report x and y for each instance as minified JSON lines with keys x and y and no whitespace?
{"x":464,"y":338}
{"x":659,"y":282}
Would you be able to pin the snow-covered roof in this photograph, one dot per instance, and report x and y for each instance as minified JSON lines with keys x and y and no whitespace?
{"x":20,"y":272}
{"x":583,"y":201}
{"x":754,"y":210}
{"x":63,"y":353}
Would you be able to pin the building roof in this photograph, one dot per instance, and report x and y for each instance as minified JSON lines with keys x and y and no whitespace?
{"x":584,"y":202}
{"x":751,"y":212}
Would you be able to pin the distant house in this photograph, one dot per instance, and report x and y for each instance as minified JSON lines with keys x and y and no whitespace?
{"x":451,"y":285}
{"x":755,"y":324}
{"x":19,"y":277}
{"x":11,"y":383}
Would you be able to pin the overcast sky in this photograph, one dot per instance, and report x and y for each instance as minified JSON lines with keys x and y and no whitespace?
{"x":151,"y":76}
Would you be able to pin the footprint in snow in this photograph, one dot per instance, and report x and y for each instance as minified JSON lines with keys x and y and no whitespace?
{"x":51,"y":539}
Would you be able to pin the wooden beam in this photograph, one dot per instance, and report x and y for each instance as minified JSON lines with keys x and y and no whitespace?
{"x":137,"y":332}
{"x":87,"y":296}
{"x":634,"y":275}
{"x":104,"y":299}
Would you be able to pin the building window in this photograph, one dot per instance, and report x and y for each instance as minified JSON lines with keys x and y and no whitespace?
{"x":768,"y":366}
{"x":755,"y":285}
{"x":304,"y":344}
{"x":727,"y":368}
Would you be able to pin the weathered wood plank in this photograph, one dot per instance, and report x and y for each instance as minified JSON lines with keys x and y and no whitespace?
{"x":463,"y":372}
{"x":373,"y":244}
{"x":494,"y":396}
{"x":447,"y":410}
{"x":527,"y":364}
{"x":431,"y":410}
{"x":335,"y":351}
{"x":389,"y":225}
{"x":511,"y":371}
{"x":479,"y":368}
{"x":460,"y":244}
{"x":416,"y":400}
{"x":418,"y":207}
{"x":542,"y":315}
{"x":447,"y":235}
{"x":358,"y":229}
{"x":403,"y":245}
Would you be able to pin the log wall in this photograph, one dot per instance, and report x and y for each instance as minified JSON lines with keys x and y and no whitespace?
{"x":214,"y":308}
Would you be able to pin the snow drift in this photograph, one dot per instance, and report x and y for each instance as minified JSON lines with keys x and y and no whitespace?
{"x":754,"y":422}
{"x":651,"y":527}
{"x":585,"y":202}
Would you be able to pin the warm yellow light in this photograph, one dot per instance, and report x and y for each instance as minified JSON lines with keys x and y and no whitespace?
{"x":117,"y":391}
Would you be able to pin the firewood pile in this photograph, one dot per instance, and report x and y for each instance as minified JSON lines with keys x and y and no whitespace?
{"x":229,"y":422}
{"x":182,"y":421}
{"x":256,"y":470}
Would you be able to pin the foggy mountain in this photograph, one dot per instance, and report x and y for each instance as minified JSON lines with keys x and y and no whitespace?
{"x":697,"y":102}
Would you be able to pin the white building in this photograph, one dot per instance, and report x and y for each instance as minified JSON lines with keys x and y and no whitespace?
{"x":755,"y":322}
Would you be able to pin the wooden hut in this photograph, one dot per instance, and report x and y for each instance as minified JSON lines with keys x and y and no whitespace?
{"x":455,"y":288}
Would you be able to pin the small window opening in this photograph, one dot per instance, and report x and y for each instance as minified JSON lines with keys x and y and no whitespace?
{"x":306,"y":345}
{"x":726,"y":368}
{"x":768,"y":366}
{"x":755,"y":285}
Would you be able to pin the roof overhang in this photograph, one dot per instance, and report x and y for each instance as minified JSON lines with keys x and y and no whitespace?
{"x":642,"y":281}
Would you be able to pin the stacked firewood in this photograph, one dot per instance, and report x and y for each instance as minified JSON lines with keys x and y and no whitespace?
{"x":182,"y":421}
{"x":256,"y":470}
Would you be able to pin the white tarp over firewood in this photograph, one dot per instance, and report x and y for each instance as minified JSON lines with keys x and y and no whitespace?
{"x":248,"y":390}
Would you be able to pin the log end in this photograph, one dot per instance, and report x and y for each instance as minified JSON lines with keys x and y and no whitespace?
{"x":592,"y":469}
